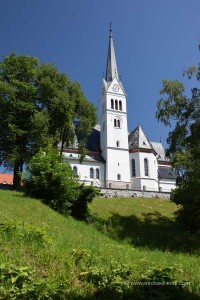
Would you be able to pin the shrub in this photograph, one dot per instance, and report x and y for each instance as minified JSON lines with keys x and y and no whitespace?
{"x":17,"y":282}
{"x":187,"y":195}
{"x":79,"y":209}
{"x":24,"y":232}
{"x":52,"y":180}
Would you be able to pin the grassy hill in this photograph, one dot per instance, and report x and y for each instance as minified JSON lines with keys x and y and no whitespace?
{"x":126,"y":244}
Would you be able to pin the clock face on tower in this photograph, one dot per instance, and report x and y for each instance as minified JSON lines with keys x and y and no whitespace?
{"x":115,"y":88}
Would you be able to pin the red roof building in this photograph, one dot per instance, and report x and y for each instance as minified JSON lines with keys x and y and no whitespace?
{"x":6,"y":178}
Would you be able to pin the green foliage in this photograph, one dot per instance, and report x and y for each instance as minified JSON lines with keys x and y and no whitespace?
{"x":51,"y":179}
{"x":142,"y":223}
{"x":18,"y":282}
{"x":38,"y":105}
{"x":114,"y":283}
{"x":160,"y":283}
{"x":84,"y":115}
{"x":188,"y":196}
{"x":176,"y":109}
{"x":80,"y":262}
{"x":79,"y":209}
{"x":24,"y":232}
{"x":20,"y":134}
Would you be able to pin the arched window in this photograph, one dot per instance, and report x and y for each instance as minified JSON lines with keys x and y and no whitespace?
{"x":75,"y":170}
{"x":117,"y":123}
{"x":97,"y":173}
{"x":91,"y":173}
{"x":146,"y":168}
{"x":120,"y":105}
{"x":118,"y":177}
{"x":133,"y":168}
{"x":116,"y":104}
{"x":117,"y":143}
{"x":112,"y":104}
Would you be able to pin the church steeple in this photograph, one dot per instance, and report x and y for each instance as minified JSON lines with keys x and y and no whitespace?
{"x":111,"y":67}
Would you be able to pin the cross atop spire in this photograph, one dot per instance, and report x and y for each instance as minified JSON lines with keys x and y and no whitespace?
{"x":110,"y":29}
{"x":111,"y":67}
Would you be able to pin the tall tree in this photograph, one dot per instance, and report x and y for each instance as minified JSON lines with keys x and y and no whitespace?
{"x":23,"y":125}
{"x":38,"y":105}
{"x":182,"y":113}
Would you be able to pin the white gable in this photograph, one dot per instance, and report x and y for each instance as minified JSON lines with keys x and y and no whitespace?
{"x":115,"y":87}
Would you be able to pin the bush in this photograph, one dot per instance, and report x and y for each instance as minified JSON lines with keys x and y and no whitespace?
{"x":79,"y":209}
{"x":19,"y":283}
{"x":188,"y":196}
{"x":53,"y":181}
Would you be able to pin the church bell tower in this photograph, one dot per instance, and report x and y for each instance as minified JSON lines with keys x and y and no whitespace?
{"x":114,"y":131}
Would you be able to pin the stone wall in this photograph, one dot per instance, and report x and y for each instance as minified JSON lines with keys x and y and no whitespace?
{"x":114,"y":193}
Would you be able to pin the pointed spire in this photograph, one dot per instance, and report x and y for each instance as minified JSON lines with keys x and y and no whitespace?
{"x":111,"y":68}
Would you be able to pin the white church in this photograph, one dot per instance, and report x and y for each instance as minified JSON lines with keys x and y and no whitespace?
{"x":116,"y":158}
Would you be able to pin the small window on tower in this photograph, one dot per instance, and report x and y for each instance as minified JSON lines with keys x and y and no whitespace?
{"x":116,"y":104}
{"x":117,"y":143}
{"x":112,"y":104}
{"x":120,"y":105}
{"x":115,"y":123}
{"x":118,"y":123}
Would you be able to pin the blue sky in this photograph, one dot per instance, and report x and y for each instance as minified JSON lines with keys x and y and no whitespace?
{"x":154,"y":40}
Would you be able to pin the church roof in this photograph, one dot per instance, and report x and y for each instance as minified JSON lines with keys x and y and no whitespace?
{"x":158,"y":147}
{"x":92,"y":147}
{"x":166,"y":173}
{"x":111,"y":67}
{"x":93,"y":140}
{"x":137,"y":139}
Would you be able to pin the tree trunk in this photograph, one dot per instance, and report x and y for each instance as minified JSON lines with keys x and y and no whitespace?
{"x":17,"y":176}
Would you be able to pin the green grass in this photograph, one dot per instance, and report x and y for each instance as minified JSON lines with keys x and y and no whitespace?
{"x":148,"y":223}
{"x":139,"y":233}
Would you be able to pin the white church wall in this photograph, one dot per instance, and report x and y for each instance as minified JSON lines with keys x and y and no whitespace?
{"x":136,"y":157}
{"x":167,"y":185}
{"x":83,"y":171}
{"x":149,"y":184}
{"x":151,"y":159}
{"x":117,"y":166}
{"x":140,"y":180}
{"x":146,"y":184}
